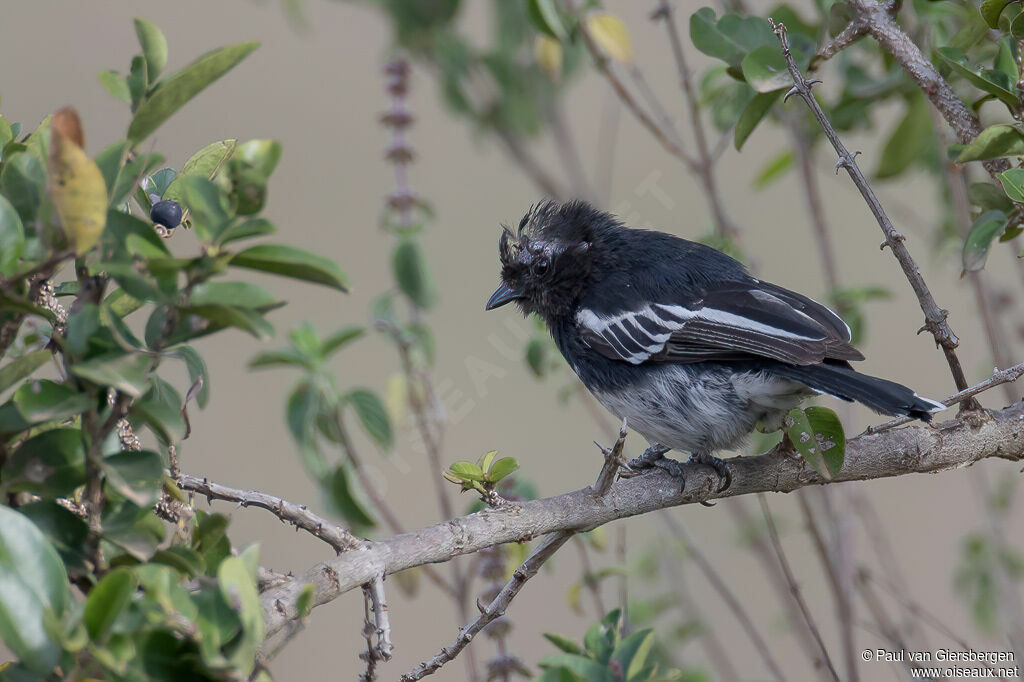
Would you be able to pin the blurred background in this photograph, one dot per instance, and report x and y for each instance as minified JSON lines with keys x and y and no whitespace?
{"x":317,"y":84}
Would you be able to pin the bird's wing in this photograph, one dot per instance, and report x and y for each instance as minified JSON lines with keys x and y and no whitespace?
{"x":733,"y":321}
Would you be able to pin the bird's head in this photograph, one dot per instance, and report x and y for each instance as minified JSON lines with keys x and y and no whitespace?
{"x":548,"y":262}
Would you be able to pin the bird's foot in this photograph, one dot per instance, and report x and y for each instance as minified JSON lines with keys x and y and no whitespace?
{"x":654,"y":458}
{"x":720,"y":467}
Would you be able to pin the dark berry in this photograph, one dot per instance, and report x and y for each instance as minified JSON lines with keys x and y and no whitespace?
{"x":166,"y":213}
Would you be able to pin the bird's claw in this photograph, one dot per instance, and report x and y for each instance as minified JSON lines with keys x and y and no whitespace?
{"x":720,"y":467}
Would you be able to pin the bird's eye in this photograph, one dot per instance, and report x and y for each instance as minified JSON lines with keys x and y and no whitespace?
{"x":541,"y":267}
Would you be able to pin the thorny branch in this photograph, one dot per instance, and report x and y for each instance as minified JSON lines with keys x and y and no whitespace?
{"x":918,"y":449}
{"x":935,"y":317}
{"x":528,"y":569}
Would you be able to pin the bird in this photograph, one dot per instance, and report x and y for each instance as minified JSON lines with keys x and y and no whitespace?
{"x":678,"y":338}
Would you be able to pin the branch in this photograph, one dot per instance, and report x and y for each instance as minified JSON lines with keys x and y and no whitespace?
{"x":853,"y":32}
{"x":296,"y":514}
{"x":882,"y":26}
{"x":935,"y":317}
{"x":917,"y":449}
{"x":528,"y":569}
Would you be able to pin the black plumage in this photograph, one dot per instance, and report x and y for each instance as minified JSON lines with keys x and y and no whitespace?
{"x":676,"y":336}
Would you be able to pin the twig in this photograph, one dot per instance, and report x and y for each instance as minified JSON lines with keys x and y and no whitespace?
{"x":668,"y":137}
{"x":921,"y":449}
{"x":588,"y":579}
{"x":999,"y":377}
{"x":516,"y":148}
{"x":521,"y":575}
{"x":935,"y":317}
{"x":375,"y":593}
{"x":793,"y":587}
{"x":853,"y":32}
{"x":569,"y":154}
{"x":730,"y":599}
{"x":705,"y":160}
{"x":296,"y":514}
{"x":371,"y":656}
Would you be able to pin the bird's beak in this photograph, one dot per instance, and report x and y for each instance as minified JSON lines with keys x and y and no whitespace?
{"x":504,"y":294}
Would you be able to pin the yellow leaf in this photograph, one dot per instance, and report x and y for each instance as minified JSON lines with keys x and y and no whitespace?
{"x":548,"y":53}
{"x":611,"y":34}
{"x":395,"y":398}
{"x":76,"y":184}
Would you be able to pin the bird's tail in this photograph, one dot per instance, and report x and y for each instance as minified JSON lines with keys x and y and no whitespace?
{"x":880,"y":395}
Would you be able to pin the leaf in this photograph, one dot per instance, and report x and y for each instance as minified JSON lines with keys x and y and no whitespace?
{"x":125,"y":372}
{"x":994,"y":142}
{"x":765,"y":69}
{"x":584,"y":668}
{"x":502,"y":468}
{"x":548,"y":53}
{"x":731,"y":37}
{"x":12,"y":237}
{"x":564,"y":643}
{"x":774,"y":169}
{"x":372,"y":415}
{"x":801,"y":434}
{"x":411,"y":273}
{"x":196,"y":370}
{"x":33,"y":590}
{"x":991,"y":9}
{"x":1013,"y":183}
{"x":22,"y":182}
{"x":545,"y":18}
{"x":632,"y":652}
{"x":984,"y":229}
{"x":828,"y":431}
{"x":22,"y":367}
{"x":345,"y":502}
{"x":986,"y":196}
{"x":42,"y":401}
{"x":466,"y":471}
{"x":205,"y":163}
{"x":76,"y":184}
{"x":908,"y":141}
{"x":990,"y":81}
{"x":246,"y":319}
{"x":50,"y":464}
{"x":292,"y":262}
{"x":154,"y":48}
{"x":186,"y":561}
{"x":116,"y":85}
{"x":286,"y":357}
{"x":536,"y":356}
{"x":260,"y":156}
{"x":611,"y":34}
{"x":301,"y":411}
{"x":162,"y":417}
{"x":252,"y":227}
{"x":135,"y":474}
{"x":752,"y":114}
{"x":206,"y":203}
{"x":341,"y":338}
{"x":242,"y":294}
{"x":304,"y":602}
{"x":107,"y":599}
{"x":239,"y":589}
{"x":182,"y":86}
{"x":137,"y":80}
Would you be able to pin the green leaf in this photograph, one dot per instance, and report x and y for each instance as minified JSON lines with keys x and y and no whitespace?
{"x":51,"y":464}
{"x":536,"y":356}
{"x":207,"y":205}
{"x":301,"y":411}
{"x":467,"y":471}
{"x":292,"y":262}
{"x":206,"y":163}
{"x":260,"y":156}
{"x":632,"y":652}
{"x":546,"y":19}
{"x":994,"y":142}
{"x":502,"y":468}
{"x":909,"y":141}
{"x":984,"y":229}
{"x":252,"y":227}
{"x":240,"y":294}
{"x":765,"y":69}
{"x":1013,"y":183}
{"x":991,"y":9}
{"x":239,"y":589}
{"x":182,"y":86}
{"x":286,"y":357}
{"x":752,"y":114}
{"x":186,"y":561}
{"x":116,"y":85}
{"x":154,"y":48}
{"x":196,"y":370}
{"x":341,"y":338}
{"x":345,"y":502}
{"x":41,"y":401}
{"x":412,"y":274}
{"x":372,"y":416}
{"x":126,"y":372}
{"x":136,"y":474}
{"x":107,"y":599}
{"x":161,"y":416}
{"x":246,"y":319}
{"x":33,"y":591}
{"x":584,"y":668}
{"x":731,"y":37}
{"x":993,"y":82}
{"x":304,"y":602}
{"x":987,"y":196}
{"x":125,"y":234}
{"x":774,"y":169}
{"x":564,"y":643}
{"x":818,"y":436}
{"x":137,"y":80}
{"x":209,"y":532}
{"x":23,"y":182}
{"x":22,"y":367}
{"x":12,"y":237}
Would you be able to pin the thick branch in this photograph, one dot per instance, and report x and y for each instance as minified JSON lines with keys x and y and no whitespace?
{"x":935,"y":317}
{"x":918,"y":449}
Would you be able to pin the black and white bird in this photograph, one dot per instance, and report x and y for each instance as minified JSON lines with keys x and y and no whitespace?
{"x":677,"y":337}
